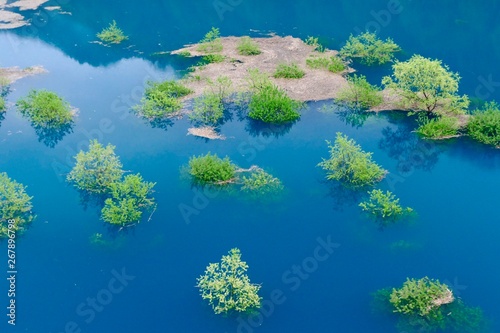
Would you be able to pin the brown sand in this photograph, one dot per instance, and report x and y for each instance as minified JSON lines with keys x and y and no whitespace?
{"x":13,"y":74}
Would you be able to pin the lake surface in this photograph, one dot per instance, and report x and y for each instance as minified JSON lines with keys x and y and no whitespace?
{"x":452,"y":185}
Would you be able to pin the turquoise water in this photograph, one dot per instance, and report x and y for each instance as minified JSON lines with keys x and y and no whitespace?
{"x":452,"y":185}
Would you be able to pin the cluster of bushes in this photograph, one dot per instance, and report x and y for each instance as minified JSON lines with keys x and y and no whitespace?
{"x":246,"y":46}
{"x":99,"y":172}
{"x":369,"y":49}
{"x":333,"y":63}
{"x":359,"y":93}
{"x":208,"y":109}
{"x":45,"y":109}
{"x":112,"y":34}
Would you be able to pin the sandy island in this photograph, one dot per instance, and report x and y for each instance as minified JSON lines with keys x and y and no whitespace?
{"x":12,"y":74}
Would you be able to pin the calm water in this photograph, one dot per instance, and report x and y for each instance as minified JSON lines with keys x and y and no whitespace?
{"x":453,"y":185}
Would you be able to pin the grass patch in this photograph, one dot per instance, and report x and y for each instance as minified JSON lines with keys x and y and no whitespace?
{"x":359,"y":93}
{"x":437,"y":128}
{"x":211,"y":43}
{"x":484,"y":126}
{"x":313,"y":41}
{"x":112,"y":34}
{"x":162,"y":99}
{"x":185,"y":54}
{"x":333,"y":64}
{"x":211,"y":169}
{"x":213,"y":58}
{"x":246,"y":46}
{"x":289,"y":71}
{"x":45,"y":109}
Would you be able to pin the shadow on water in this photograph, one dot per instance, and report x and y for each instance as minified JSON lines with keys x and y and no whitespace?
{"x":343,"y":196}
{"x":258,"y":128}
{"x":51,"y":136}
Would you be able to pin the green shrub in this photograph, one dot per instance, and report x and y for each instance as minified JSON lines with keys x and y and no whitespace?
{"x":484,"y":125}
{"x":45,"y":109}
{"x":226,"y":285}
{"x":261,"y":183}
{"x":211,"y":43}
{"x":349,"y":164}
{"x":334,"y":64}
{"x":384,"y":207}
{"x":271,"y":104}
{"x":291,"y":71}
{"x":211,"y":169}
{"x":162,"y":99}
{"x":112,"y":34}
{"x":369,"y":49}
{"x":437,"y":128}
{"x":208,"y":109}
{"x":2,"y":104}
{"x":246,"y":46}
{"x":213,"y":58}
{"x":129,"y":199}
{"x":97,"y":169}
{"x":313,"y":41}
{"x":15,"y":206}
{"x":359,"y":93}
{"x":185,"y":54}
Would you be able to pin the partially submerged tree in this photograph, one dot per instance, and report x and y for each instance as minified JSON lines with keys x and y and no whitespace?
{"x":211,"y":43}
{"x":112,"y":34}
{"x":226,"y":285}
{"x":359,"y":93}
{"x":349,"y":164}
{"x":370,"y":49}
{"x":437,"y":127}
{"x":15,"y":207}
{"x":211,"y":169}
{"x":428,"y":85}
{"x":45,"y":109}
{"x":97,"y":169}
{"x":384,"y":208}
{"x":484,"y":125}
{"x":261,"y":184}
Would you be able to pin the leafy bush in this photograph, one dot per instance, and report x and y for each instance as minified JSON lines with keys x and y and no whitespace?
{"x":370,"y":49}
{"x":484,"y":125}
{"x":208,"y":109}
{"x":211,"y":169}
{"x":384,"y":207}
{"x":15,"y":206}
{"x":161,"y":99}
{"x":129,"y":198}
{"x":227,"y":287}
{"x":289,"y":71}
{"x":349,"y":164}
{"x":112,"y":34}
{"x":359,"y":93}
{"x":246,"y":46}
{"x":2,"y":104}
{"x":334,"y":64}
{"x":213,"y":58}
{"x":436,"y":128}
{"x":97,"y":170}
{"x":211,"y":43}
{"x":261,"y":183}
{"x":313,"y":41}
{"x":45,"y":109}
{"x":185,"y":54}
{"x":271,"y":104}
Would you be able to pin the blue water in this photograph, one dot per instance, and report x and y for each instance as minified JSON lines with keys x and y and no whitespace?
{"x":452,"y":185}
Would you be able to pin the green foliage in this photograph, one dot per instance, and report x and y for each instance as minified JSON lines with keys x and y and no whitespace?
{"x":271,"y":104}
{"x":484,"y":125}
{"x":421,"y":297}
{"x":185,"y":54}
{"x":289,"y":71}
{"x":334,"y":64}
{"x":208,"y":109}
{"x":112,"y":34}
{"x":359,"y":93}
{"x":211,"y":43}
{"x":246,"y":46}
{"x":162,"y":99}
{"x":129,"y":198}
{"x":425,"y":84}
{"x":45,"y":109}
{"x":227,"y":287}
{"x":211,"y":169}
{"x":261,"y":183}
{"x":369,"y":49}
{"x":384,"y":207}
{"x":97,"y":170}
{"x":2,"y":104}
{"x":213,"y":58}
{"x":221,"y":87}
{"x":349,"y":164}
{"x":437,"y":128}
{"x":15,"y":206}
{"x":313,"y":41}
{"x":465,"y":319}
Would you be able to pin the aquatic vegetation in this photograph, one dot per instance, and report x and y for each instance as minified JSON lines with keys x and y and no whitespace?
{"x":484,"y":125}
{"x":227,"y":287}
{"x":334,"y":64}
{"x":425,"y":84}
{"x":211,"y":169}
{"x":359,"y":93}
{"x":349,"y":164}
{"x":289,"y":71}
{"x":211,"y":43}
{"x":313,"y":41}
{"x":260,"y":183}
{"x":15,"y":207}
{"x":370,"y":49}
{"x":185,"y":54}
{"x":129,"y":199}
{"x":2,"y":104}
{"x":97,"y":169}
{"x":384,"y":207}
{"x":45,"y":109}
{"x":208,"y":109}
{"x":162,"y":99}
{"x":112,"y":34}
{"x":437,"y":128}
{"x":246,"y":46}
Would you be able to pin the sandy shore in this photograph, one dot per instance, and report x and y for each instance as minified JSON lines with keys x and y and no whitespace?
{"x":13,"y":74}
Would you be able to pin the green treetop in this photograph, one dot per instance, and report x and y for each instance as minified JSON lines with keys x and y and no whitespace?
{"x":112,"y":34}
{"x":45,"y":109}
{"x":211,"y":169}
{"x":97,"y":169}
{"x":384,"y":207}
{"x":227,"y":287}
{"x":370,"y":49}
{"x":349,"y":164}
{"x":15,"y":205}
{"x":428,"y":85}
